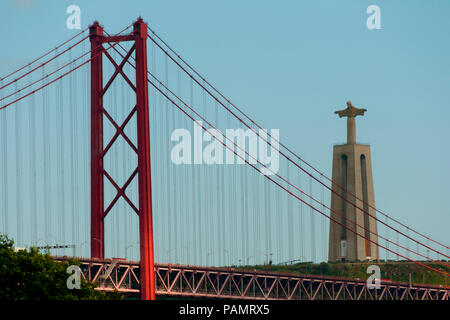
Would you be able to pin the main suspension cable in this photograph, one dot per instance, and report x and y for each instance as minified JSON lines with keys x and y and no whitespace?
{"x":44,"y":55}
{"x":58,"y":78}
{"x":312,"y":198}
{"x":293,"y":162}
{"x":281,"y":144}
{"x":284,"y":188}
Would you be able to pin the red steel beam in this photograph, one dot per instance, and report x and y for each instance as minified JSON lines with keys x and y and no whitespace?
{"x":119,"y":38}
{"x":97,"y":190}
{"x":147,"y":263}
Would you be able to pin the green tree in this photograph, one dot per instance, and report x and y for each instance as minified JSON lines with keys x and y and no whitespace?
{"x":31,"y":275}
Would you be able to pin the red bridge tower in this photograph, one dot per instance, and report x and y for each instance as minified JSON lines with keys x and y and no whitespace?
{"x":98,"y":150}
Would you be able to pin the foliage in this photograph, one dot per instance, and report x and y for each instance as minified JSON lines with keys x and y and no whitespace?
{"x":31,"y":275}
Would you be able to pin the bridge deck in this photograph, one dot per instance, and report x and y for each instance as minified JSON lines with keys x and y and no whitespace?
{"x":214,"y":282}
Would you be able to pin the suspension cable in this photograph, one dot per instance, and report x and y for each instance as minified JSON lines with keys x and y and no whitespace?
{"x":58,"y":78}
{"x":301,"y":168}
{"x":312,"y":198}
{"x":284,"y":188}
{"x":281,"y":144}
{"x":44,"y":55}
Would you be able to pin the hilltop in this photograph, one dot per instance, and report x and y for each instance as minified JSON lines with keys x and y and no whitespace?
{"x":397,"y":271}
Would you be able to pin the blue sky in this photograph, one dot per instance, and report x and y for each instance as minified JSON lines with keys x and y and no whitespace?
{"x":290,"y":65}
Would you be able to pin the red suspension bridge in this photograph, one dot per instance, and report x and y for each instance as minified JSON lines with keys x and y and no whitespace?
{"x":76,"y":128}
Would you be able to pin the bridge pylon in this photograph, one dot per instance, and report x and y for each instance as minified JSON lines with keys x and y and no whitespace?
{"x":99,"y":150}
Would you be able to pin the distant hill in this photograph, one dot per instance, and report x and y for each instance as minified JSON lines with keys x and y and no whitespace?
{"x":400,"y":271}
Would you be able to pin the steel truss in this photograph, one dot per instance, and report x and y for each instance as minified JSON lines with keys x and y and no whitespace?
{"x":193,"y":281}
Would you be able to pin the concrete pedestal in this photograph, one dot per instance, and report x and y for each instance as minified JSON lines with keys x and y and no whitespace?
{"x":353,"y":171}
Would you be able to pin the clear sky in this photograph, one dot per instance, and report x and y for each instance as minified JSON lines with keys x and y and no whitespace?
{"x":290,"y":65}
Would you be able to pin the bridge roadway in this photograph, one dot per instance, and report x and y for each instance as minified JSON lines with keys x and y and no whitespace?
{"x":212,"y":282}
